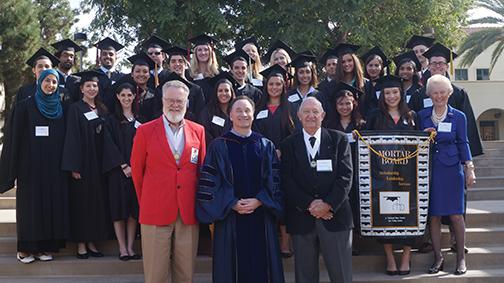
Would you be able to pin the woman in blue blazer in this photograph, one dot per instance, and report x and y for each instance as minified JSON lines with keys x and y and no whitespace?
{"x":452,"y":168}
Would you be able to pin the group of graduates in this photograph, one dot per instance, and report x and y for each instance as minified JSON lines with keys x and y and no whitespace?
{"x":69,"y":137}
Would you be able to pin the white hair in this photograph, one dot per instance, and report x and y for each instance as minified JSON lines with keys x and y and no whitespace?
{"x":439,"y":80}
{"x":311,"y":99}
{"x":175,"y":84}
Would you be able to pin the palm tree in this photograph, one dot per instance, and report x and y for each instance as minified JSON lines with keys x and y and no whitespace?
{"x":479,"y":41}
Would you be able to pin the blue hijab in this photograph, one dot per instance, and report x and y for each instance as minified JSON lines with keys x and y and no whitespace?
{"x":48,"y":105}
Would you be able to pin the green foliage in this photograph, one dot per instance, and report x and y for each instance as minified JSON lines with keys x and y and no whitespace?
{"x":313,"y":25}
{"x":25,"y":27}
{"x":479,"y":41}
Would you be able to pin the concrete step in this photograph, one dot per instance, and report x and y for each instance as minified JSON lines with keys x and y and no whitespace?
{"x":488,"y":161}
{"x":10,"y":193}
{"x":492,"y":152}
{"x":485,"y":213}
{"x":477,"y":258}
{"x":489,"y":181}
{"x":489,"y":171}
{"x":485,"y":194}
{"x":7,"y":202}
{"x":492,"y":145}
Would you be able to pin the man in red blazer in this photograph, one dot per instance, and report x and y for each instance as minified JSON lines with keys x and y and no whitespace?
{"x":165,"y":160}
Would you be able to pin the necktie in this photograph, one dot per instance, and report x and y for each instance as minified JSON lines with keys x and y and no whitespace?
{"x":312,"y":141}
{"x":109,"y":74}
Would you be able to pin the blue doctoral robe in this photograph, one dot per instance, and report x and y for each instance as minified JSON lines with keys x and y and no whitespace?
{"x":245,"y":246}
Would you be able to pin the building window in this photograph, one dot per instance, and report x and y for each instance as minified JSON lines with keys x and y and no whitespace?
{"x":461,"y":74}
{"x":482,"y":74}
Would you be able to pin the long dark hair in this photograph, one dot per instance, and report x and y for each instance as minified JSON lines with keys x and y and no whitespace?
{"x":404,"y":110}
{"x":100,"y":106}
{"x":355,"y":117}
{"x":286,"y":119}
{"x":358,"y":73}
{"x":314,"y":76}
{"x":416,"y":77}
{"x":213,"y":103}
{"x":118,"y":112}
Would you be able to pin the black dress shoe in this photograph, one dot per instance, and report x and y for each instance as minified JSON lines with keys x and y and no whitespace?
{"x":124,"y":257}
{"x":404,"y":272}
{"x":95,"y":254}
{"x":436,"y":267}
{"x":82,"y":256}
{"x":135,"y":257}
{"x":391,"y":273}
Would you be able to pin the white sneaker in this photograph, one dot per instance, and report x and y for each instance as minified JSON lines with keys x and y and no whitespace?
{"x":44,"y":257}
{"x":26,"y":259}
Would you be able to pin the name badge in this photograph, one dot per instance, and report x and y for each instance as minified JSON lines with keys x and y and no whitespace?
{"x":427,"y":102}
{"x":194,"y":155}
{"x":444,"y":127}
{"x":293,"y":98}
{"x":408,"y":97}
{"x":324,"y":165}
{"x":262,"y":114}
{"x":91,"y":115}
{"x":256,"y":82}
{"x":41,"y":131}
{"x":350,"y":137}
{"x":137,"y":124}
{"x":378,"y":94}
{"x":218,"y":121}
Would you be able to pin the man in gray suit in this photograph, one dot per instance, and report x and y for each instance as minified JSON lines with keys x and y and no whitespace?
{"x":316,"y":172}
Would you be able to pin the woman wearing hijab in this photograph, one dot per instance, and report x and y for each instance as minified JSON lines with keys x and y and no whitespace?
{"x":31,"y":158}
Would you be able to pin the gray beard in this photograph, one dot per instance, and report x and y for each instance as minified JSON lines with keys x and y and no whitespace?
{"x":175,"y":117}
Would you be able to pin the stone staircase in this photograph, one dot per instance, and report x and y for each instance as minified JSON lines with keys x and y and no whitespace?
{"x":484,"y":238}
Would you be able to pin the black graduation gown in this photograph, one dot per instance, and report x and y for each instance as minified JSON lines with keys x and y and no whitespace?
{"x":411,"y":91}
{"x":369,"y":102}
{"x":151,"y":83}
{"x":118,"y":141}
{"x":83,"y":153}
{"x":460,"y":101}
{"x":325,"y":88}
{"x":34,"y":160}
{"x":25,"y":91}
{"x":206,"y":87}
{"x":213,"y":129}
{"x":250,"y":91}
{"x":69,"y":91}
{"x":105,"y":84}
{"x":271,"y":126}
{"x":246,"y":247}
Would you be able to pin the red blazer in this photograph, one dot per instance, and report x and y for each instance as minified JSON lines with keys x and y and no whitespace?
{"x":164,"y":188}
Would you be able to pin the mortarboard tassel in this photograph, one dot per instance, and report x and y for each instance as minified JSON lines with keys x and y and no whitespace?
{"x":156,"y":77}
{"x":451,"y":64}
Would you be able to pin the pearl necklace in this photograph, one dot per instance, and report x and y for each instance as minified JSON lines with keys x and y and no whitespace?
{"x":436,"y":119}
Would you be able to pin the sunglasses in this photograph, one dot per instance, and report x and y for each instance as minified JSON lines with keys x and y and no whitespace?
{"x":157,"y":53}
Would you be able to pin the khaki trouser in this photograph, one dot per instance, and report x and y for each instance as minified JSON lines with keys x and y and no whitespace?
{"x":169,"y":250}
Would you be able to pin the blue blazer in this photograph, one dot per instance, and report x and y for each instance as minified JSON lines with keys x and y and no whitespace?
{"x":451,"y":147}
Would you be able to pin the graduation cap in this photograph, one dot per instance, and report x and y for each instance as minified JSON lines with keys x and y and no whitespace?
{"x":278,"y":44}
{"x":142,"y":59}
{"x":174,"y":77}
{"x":175,"y":50}
{"x":340,"y":86}
{"x":346,"y":48}
{"x":41,"y":53}
{"x":406,"y":57}
{"x":108,"y":43}
{"x":419,"y":40}
{"x":87,"y":76}
{"x":66,"y":45}
{"x":390,"y":81}
{"x":330,"y":53}
{"x":440,"y":50}
{"x":301,"y":60}
{"x":275,"y":69}
{"x":378,"y":52}
{"x":223,"y":75}
{"x":238,"y":54}
{"x":155,"y":42}
{"x":202,"y":39}
{"x":241,"y":44}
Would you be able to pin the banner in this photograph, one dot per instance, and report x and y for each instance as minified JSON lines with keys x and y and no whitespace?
{"x":393,"y":176}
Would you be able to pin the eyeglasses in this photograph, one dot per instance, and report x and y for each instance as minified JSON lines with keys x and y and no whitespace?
{"x":157,"y":53}
{"x":438,"y":64}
